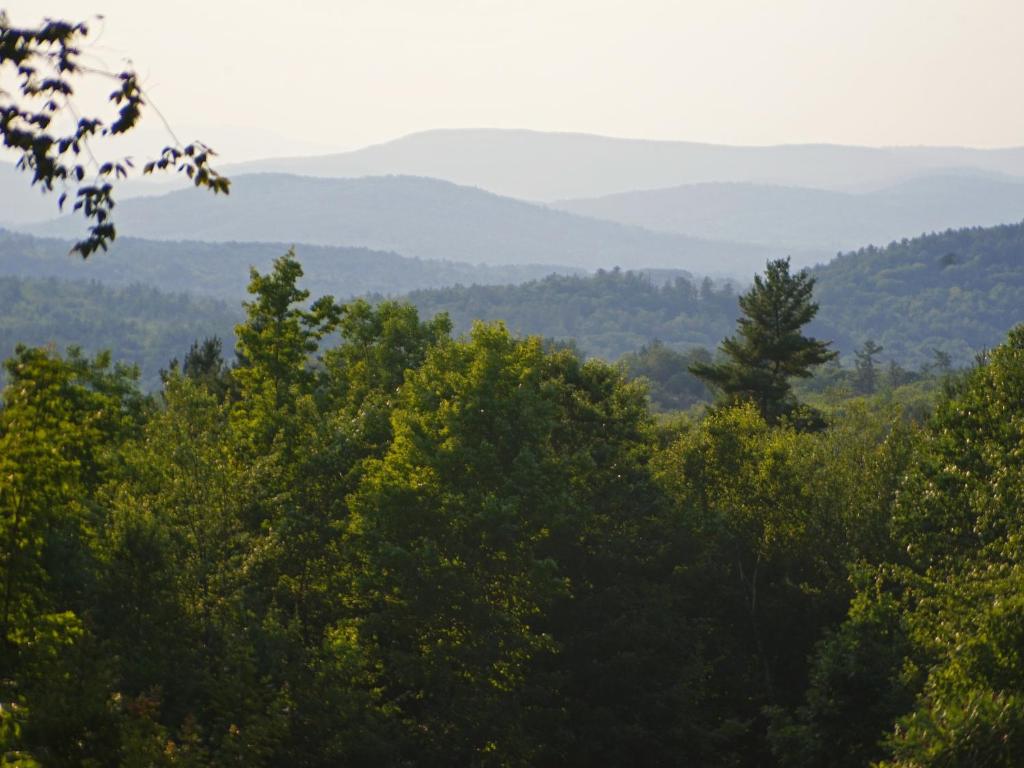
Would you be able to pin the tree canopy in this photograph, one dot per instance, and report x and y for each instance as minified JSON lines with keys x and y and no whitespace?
{"x":364,"y":541}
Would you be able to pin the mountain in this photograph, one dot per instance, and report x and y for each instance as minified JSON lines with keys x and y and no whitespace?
{"x":222,"y":269}
{"x":799,"y":217}
{"x":419,"y":217}
{"x":535,"y":165}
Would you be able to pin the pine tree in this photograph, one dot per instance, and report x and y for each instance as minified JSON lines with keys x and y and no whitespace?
{"x":867,"y":374}
{"x":768,"y":348}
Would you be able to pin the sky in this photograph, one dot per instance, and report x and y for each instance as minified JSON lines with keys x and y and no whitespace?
{"x":256,"y":78}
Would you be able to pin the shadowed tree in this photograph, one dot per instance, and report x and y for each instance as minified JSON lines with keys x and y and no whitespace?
{"x":867,"y":373}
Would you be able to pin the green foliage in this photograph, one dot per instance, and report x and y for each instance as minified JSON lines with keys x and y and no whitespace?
{"x":607,"y":314}
{"x":855,"y":691}
{"x":667,"y":373}
{"x":777,"y":518}
{"x":940,"y":318}
{"x":943,"y":668}
{"x":866,"y":373}
{"x":60,"y":426}
{"x":449,"y":525}
{"x":903,"y":296}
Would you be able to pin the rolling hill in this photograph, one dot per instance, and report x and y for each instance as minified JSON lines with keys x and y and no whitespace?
{"x":422,"y":218}
{"x":958,"y":291}
{"x":21,"y":203}
{"x":607,"y":314}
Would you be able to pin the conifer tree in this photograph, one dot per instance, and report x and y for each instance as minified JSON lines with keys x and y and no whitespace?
{"x":769,"y":348}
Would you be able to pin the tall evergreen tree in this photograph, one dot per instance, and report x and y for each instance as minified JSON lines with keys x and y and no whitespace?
{"x":768,"y":348}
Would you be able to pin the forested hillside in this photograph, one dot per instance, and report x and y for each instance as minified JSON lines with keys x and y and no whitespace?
{"x":139,"y":324}
{"x":219,"y":269}
{"x":607,"y":314}
{"x":368,"y":543}
{"x":958,"y":291}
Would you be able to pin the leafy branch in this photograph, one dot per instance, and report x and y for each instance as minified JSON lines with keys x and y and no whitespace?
{"x":46,"y":64}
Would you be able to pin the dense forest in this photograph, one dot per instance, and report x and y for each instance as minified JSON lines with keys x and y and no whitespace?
{"x":340,"y":527}
{"x":606,"y":314}
{"x":148,"y":328}
{"x":368,"y":543}
{"x":139,"y":324}
{"x":959,"y":291}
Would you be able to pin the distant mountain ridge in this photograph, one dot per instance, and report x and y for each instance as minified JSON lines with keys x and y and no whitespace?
{"x":706,"y":208}
{"x":545,"y":166}
{"x":419,"y":217}
{"x":799,"y":217}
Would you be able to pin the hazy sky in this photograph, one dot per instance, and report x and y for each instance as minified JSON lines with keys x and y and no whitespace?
{"x":265,"y":78}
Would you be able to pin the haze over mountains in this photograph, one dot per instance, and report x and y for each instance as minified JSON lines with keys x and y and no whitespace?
{"x":22,"y":204}
{"x":18,"y":203}
{"x":420,"y":236}
{"x":814,"y":219}
{"x":471,"y":196}
{"x":542,"y":166}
